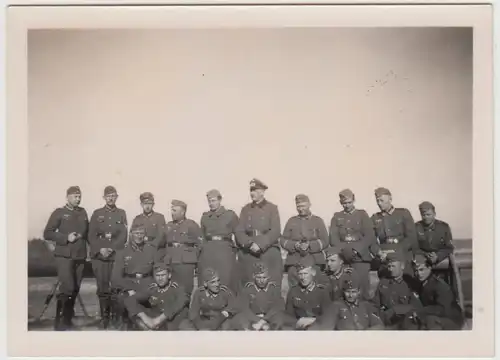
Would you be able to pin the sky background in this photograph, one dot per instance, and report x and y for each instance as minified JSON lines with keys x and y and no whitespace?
{"x":178,"y":112}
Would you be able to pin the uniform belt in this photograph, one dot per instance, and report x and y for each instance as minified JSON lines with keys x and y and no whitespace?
{"x":103,"y":237}
{"x":137,"y":275}
{"x":218,"y":238}
{"x":253,"y":233}
{"x":177,"y":245}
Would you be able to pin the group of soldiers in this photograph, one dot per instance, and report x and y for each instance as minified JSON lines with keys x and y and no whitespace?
{"x":145,"y":277}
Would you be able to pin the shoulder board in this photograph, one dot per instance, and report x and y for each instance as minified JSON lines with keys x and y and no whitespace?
{"x":206,"y":213}
{"x":321,"y":286}
{"x":272,"y":283}
{"x":174,"y":284}
{"x":201,"y":288}
{"x":249,"y":284}
{"x":225,"y":288}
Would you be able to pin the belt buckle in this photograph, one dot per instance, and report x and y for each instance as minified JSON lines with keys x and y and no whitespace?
{"x":392,"y":240}
{"x":108,"y":236}
{"x":176,"y":244}
{"x":217,"y":238}
{"x":139,"y":276}
{"x":349,"y":238}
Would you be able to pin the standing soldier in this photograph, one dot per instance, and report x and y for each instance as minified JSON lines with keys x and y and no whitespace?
{"x":257,"y":235}
{"x":213,"y":305}
{"x":132,"y":271}
{"x":396,"y":297}
{"x":261,"y":304}
{"x":394,"y":228}
{"x":352,"y":229}
{"x":153,"y":222}
{"x":183,"y":238}
{"x":162,"y":306}
{"x":218,"y":252}
{"x":107,"y":234}
{"x":350,"y":313}
{"x":305,"y":234}
{"x":68,"y":228}
{"x":440,"y":309}
{"x":433,"y":235}
{"x":307,"y":300}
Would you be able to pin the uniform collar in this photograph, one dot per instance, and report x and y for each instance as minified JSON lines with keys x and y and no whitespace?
{"x":148,"y":215}
{"x":264,"y":288}
{"x":352,"y":305}
{"x":398,"y":280}
{"x":310,"y":288}
{"x":431,"y":226}
{"x":349,"y":212}
{"x":71,"y":209}
{"x":178,"y":222}
{"x":110,"y":209}
{"x":163,"y":289}
{"x":210,"y":294}
{"x":217,"y":212}
{"x":306,"y":217}
{"x":261,"y":204}
{"x":389,"y":212}
{"x":339,"y":274}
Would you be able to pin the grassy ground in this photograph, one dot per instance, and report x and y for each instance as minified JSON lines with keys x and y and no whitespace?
{"x":41,"y":272}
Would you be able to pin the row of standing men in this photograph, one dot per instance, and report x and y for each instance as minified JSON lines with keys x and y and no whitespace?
{"x":230,"y":245}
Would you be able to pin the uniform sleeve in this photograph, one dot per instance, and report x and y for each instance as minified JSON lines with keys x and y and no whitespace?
{"x":242,"y":239}
{"x":317,"y":245}
{"x":410,"y":236}
{"x":386,"y":313}
{"x":334,"y":232}
{"x":448,"y":247}
{"x":278,"y":305}
{"x":117,"y":280}
{"x":160,"y":242}
{"x":270,"y":238}
{"x":232,"y":303}
{"x":443,"y":299}
{"x":122,"y":235}
{"x":94,"y":241}
{"x":327,"y":320}
{"x":369,"y":238}
{"x":374,"y":247}
{"x":180,"y":302}
{"x":85,"y":231}
{"x":286,"y":241}
{"x":51,"y":231}
{"x":133,"y":303}
{"x":290,"y":310}
{"x":194,"y":310}
{"x":194,"y":233}
{"x":376,"y":322}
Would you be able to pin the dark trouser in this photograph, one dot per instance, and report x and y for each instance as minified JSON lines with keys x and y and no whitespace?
{"x":172,"y":325}
{"x":272,"y":259}
{"x":293,"y":278}
{"x":102,"y":272}
{"x":69,"y":274}
{"x":183,"y":274}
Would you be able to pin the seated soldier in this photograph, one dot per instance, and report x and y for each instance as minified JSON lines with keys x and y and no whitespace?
{"x":212,"y":306}
{"x":440,"y":309}
{"x":433,"y":235}
{"x":160,"y":307}
{"x":261,"y":304}
{"x":350,"y":313}
{"x":132,"y":273}
{"x":307,"y":300}
{"x":395,"y":296}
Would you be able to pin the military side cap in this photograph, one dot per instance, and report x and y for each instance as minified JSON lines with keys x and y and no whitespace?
{"x":257,"y":184}
{"x":301,"y":198}
{"x":305,"y":262}
{"x":352,"y":281}
{"x":73,"y":190}
{"x":426,"y":205}
{"x":147,"y":196}
{"x":137,"y":228}
{"x":395,"y":256}
{"x":346,"y":194}
{"x":179,"y":203}
{"x":259,"y":268}
{"x":333,"y":250}
{"x":382,"y":191}
{"x":420,"y":259}
{"x":348,"y":253}
{"x":108,"y":190}
{"x":161,"y":267}
{"x":214,"y":193}
{"x":209,"y":274}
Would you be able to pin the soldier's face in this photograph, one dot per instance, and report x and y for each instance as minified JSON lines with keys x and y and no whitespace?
{"x":74,"y":199}
{"x":261,"y":280}
{"x":147,"y":206}
{"x":110,"y":199}
{"x":351,"y":295}
{"x":422,"y":272}
{"x":303,"y":208}
{"x":138,"y":237}
{"x":257,"y":194}
{"x":177,"y":212}
{"x":347,"y":204}
{"x":334,"y":263}
{"x":162,"y":278}
{"x":384,"y":202}
{"x":213,"y":285}
{"x":306,"y":276}
{"x":395,"y":268}
{"x":428,"y":216}
{"x":214,"y":203}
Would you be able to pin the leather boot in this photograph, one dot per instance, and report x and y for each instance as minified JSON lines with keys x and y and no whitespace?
{"x":68,"y":312}
{"x":59,"y":313}
{"x":104,"y":304}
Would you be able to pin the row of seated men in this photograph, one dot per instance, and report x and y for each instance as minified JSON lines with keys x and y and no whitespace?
{"x":229,"y":244}
{"x":338,"y":299}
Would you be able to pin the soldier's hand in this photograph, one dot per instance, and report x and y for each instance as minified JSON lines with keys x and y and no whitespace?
{"x":382,"y":255}
{"x":304,"y":246}
{"x":304,"y":322}
{"x":104,"y":252}
{"x":254,"y":248}
{"x":297,"y":245}
{"x":225,"y":314}
{"x":131,"y":292}
{"x":433,"y":257}
{"x":72,"y":237}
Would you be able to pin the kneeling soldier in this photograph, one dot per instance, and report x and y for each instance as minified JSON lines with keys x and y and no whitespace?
{"x":307,"y":300}
{"x":261,"y":304}
{"x":132,"y":271}
{"x":212,"y":306}
{"x":350,"y":313}
{"x":160,"y":307}
{"x":440,"y":308}
{"x":395,"y":296}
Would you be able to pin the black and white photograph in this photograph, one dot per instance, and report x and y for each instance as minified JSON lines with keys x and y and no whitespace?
{"x":293,"y":179}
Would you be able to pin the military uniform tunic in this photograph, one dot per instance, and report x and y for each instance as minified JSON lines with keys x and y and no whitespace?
{"x":154,"y":223}
{"x":304,"y":229}
{"x":306,"y":302}
{"x":183,"y":239}
{"x":107,"y":229}
{"x":206,"y":310}
{"x":335,"y":282}
{"x":70,"y":257}
{"x":259,"y":223}
{"x":218,"y":250}
{"x":341,"y":315}
{"x":435,"y":238}
{"x":171,"y":300}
